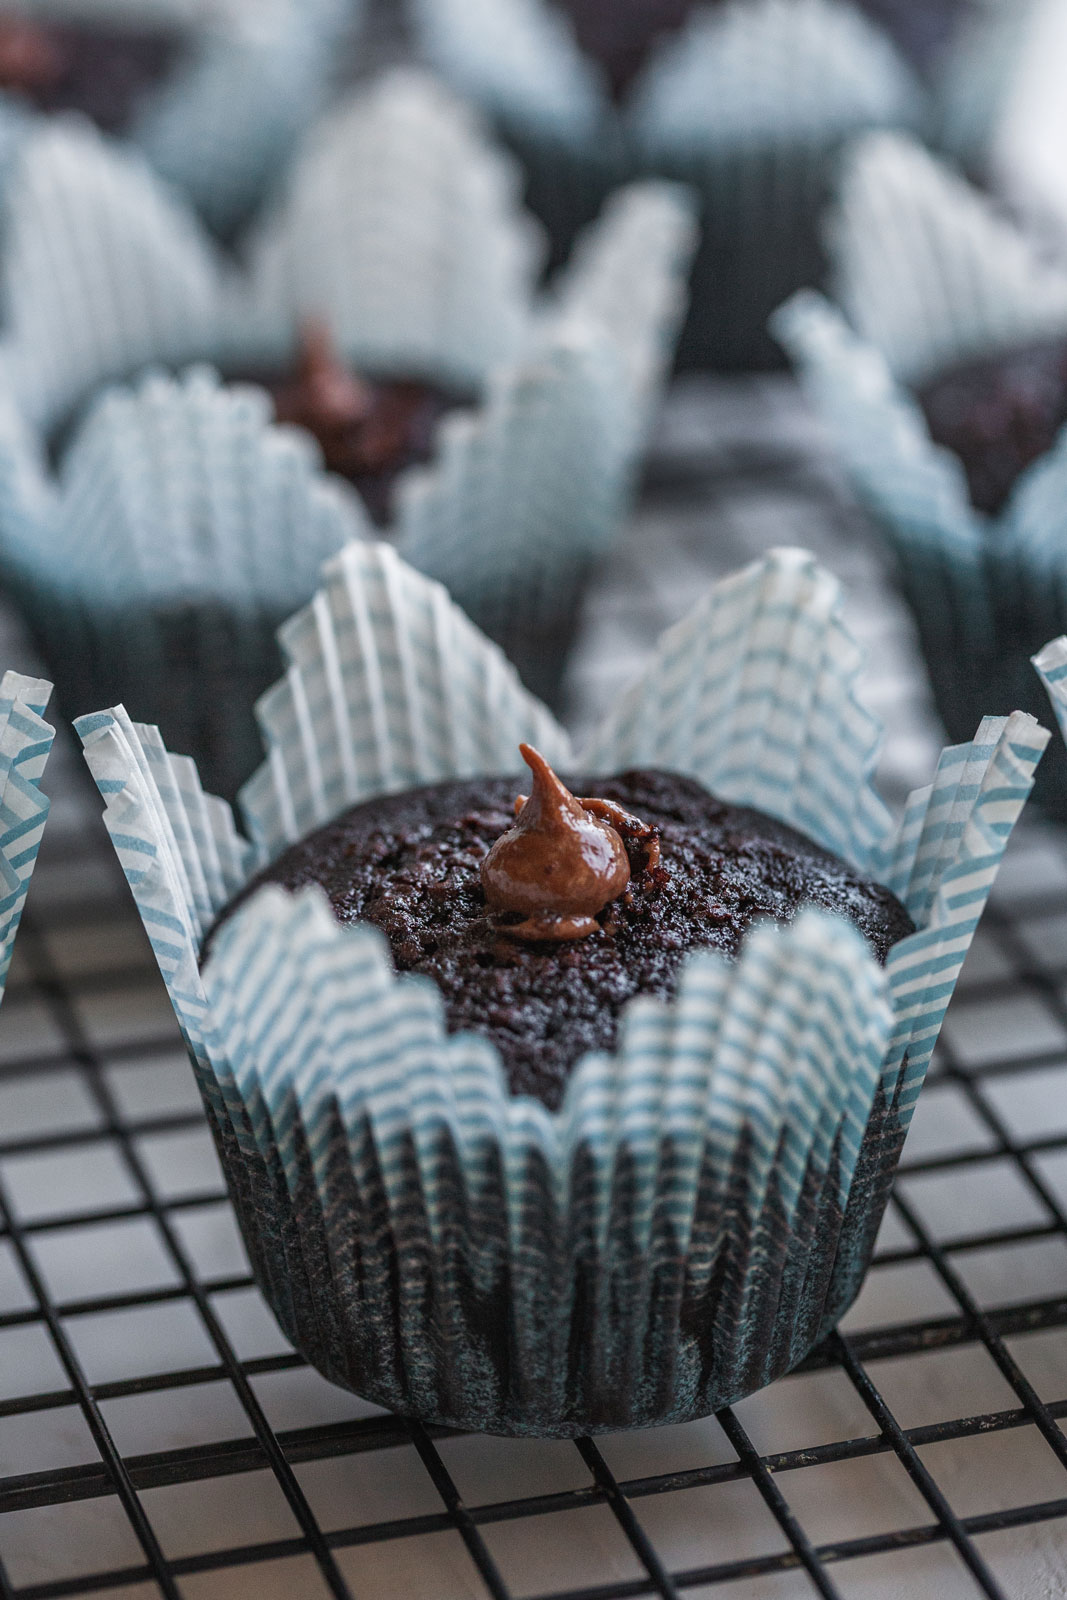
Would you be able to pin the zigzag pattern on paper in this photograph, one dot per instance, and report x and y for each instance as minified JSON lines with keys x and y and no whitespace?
{"x":389,"y":685}
{"x":785,"y":71}
{"x":25,"y":741}
{"x":403,"y":225}
{"x":925,"y":268}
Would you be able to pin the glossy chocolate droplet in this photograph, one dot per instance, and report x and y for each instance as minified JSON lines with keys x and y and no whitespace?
{"x":326,"y":398}
{"x":557,"y":866}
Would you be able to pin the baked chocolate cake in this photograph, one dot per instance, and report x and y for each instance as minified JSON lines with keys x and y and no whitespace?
{"x":999,"y":415}
{"x":100,"y":71}
{"x":369,"y":429}
{"x":538,"y":924}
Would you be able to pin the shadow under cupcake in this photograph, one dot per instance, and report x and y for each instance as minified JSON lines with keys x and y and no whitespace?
{"x":943,"y":377}
{"x":578,"y":1111}
{"x":179,"y":535}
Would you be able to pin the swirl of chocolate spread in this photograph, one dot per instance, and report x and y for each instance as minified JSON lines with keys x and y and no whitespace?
{"x":562,"y":861}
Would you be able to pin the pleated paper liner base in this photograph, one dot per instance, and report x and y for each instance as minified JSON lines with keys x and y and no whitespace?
{"x":643,"y":1350}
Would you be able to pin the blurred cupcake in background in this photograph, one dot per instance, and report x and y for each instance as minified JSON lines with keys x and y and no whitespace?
{"x":216,"y":93}
{"x":388,"y":304}
{"x":518,"y":1239}
{"x":748,"y":101}
{"x":942,"y":372}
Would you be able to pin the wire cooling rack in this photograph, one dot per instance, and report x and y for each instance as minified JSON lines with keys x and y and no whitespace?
{"x":158,"y":1437}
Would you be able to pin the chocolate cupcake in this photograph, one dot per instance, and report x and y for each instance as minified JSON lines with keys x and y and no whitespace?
{"x":999,"y":415}
{"x":946,"y":390}
{"x":401,"y":257}
{"x":750,"y":102}
{"x":923,"y":30}
{"x":582,"y":1115}
{"x":216,"y":98}
{"x":622,"y":35}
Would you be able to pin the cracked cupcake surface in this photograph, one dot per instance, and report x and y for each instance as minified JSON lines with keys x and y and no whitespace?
{"x":411,"y":865}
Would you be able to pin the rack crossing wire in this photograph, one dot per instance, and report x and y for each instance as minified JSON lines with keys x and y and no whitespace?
{"x":158,"y":1438}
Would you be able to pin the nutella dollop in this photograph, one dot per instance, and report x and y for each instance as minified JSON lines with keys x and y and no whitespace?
{"x":362,"y":426}
{"x":562,"y":862}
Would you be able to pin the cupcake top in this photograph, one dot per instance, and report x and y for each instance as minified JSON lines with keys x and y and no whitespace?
{"x":100,"y":70}
{"x":999,"y":415}
{"x":369,"y":429}
{"x":950,"y":331}
{"x":539,"y":918}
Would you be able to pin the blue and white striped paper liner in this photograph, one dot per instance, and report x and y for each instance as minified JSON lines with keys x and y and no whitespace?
{"x":926,"y":269}
{"x":756,"y":1083}
{"x":930,"y":275}
{"x":1051,"y":665}
{"x":747,"y":104}
{"x":788,"y":68}
{"x":25,"y":740}
{"x":399,"y":224}
{"x":226,"y":123}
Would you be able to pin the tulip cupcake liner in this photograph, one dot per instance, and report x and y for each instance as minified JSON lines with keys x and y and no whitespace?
{"x":703,"y":1206}
{"x":249,"y":79}
{"x":25,"y":742}
{"x":400,"y":227}
{"x":929,"y":276}
{"x":748,"y":104}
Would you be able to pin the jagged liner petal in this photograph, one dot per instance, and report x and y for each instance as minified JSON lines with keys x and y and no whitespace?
{"x":250,"y":77}
{"x":748,"y":103}
{"x":399,"y":223}
{"x":25,"y":742}
{"x":930,"y":275}
{"x":257,"y":77}
{"x":704,"y":1204}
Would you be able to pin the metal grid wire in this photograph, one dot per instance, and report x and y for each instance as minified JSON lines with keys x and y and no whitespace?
{"x":158,"y":1437}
